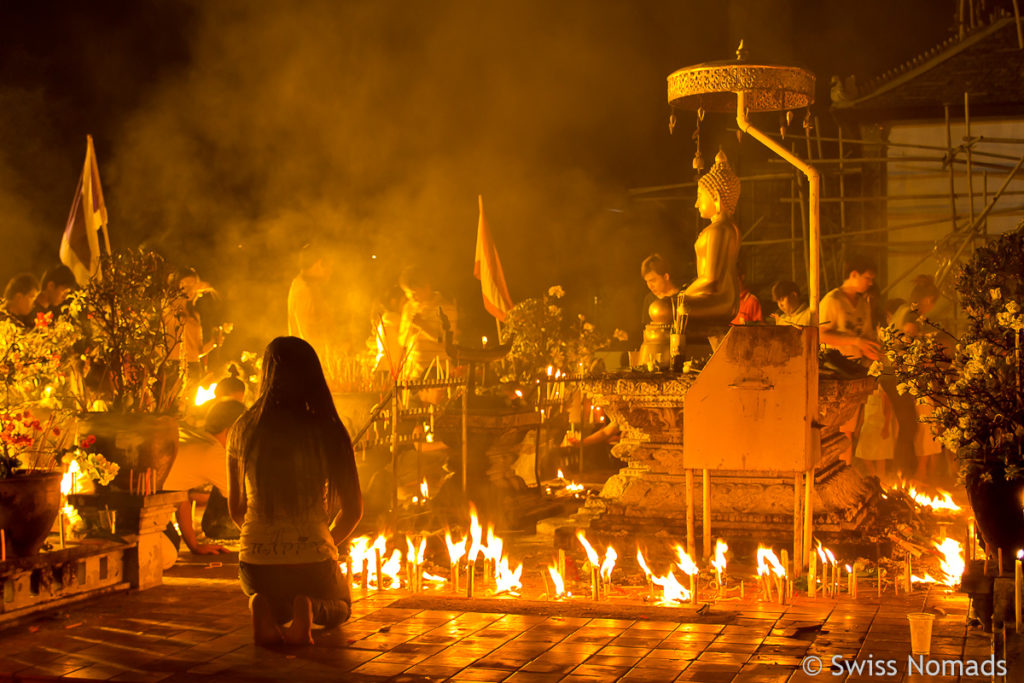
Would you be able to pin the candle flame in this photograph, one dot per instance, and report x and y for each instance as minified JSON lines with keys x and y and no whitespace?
{"x":685,"y":562}
{"x":556,"y":578}
{"x":826,"y":555}
{"x":609,"y":563}
{"x":591,"y":553}
{"x":767,"y":562}
{"x":721,"y":549}
{"x":475,"y":533}
{"x":380,"y":344}
{"x":392,"y":568}
{"x":455,"y":550}
{"x":643,"y":564}
{"x":424,"y":490}
{"x":434,"y":578}
{"x":506,"y":580}
{"x":205,"y":394}
{"x":673,"y":591}
{"x":944,"y":501}
{"x":952,"y":563}
{"x":67,"y":482}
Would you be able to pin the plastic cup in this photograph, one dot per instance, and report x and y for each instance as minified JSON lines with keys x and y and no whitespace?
{"x":921,"y":633}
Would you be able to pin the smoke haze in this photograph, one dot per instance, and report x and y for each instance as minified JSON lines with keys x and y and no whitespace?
{"x":234,"y":132}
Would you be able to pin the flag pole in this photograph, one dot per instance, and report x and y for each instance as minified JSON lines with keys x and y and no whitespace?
{"x":106,"y":239}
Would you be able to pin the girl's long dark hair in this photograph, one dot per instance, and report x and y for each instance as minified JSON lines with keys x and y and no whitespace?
{"x":292,"y":438}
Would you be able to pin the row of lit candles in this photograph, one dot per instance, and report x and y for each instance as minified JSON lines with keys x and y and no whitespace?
{"x":773,"y":579}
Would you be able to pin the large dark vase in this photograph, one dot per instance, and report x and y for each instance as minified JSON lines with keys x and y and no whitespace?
{"x":135,"y":441}
{"x":29,"y":503}
{"x":997,"y":509}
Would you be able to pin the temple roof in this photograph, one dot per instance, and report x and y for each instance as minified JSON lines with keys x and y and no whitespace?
{"x":987,"y":63}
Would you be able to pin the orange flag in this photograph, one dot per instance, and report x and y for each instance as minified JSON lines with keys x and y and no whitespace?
{"x":487,"y":269}
{"x":80,"y":245}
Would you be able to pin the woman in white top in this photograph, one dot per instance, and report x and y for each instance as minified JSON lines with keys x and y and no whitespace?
{"x":294,"y":491}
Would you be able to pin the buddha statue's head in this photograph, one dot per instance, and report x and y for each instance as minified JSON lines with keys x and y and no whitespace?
{"x":718,"y":190}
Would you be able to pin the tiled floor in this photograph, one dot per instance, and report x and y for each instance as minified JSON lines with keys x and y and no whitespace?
{"x":196,"y":626}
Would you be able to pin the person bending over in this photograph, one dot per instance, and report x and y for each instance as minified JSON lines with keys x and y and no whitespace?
{"x":294,"y":491}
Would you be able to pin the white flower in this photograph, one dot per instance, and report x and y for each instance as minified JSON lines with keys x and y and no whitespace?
{"x":588,"y":327}
{"x":556,"y":291}
{"x":621,"y":335}
{"x":995,"y":293}
{"x":876,"y":369}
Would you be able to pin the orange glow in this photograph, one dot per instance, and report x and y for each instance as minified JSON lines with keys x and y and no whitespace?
{"x":952,"y":564}
{"x":205,"y":394}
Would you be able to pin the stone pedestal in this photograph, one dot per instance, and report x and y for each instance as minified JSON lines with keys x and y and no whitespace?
{"x":759,"y":427}
{"x":494,"y":437}
{"x":140,"y":520}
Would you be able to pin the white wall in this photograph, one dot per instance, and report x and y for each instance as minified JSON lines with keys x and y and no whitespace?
{"x":930,"y":178}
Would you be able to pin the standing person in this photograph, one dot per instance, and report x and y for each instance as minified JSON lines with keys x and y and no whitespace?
{"x":19,"y":297}
{"x":421,"y":332}
{"x":291,"y":471}
{"x":307,"y":314}
{"x":54,"y":288}
{"x":192,"y":348}
{"x":917,"y":436}
{"x":846,"y":325}
{"x":845,"y":313}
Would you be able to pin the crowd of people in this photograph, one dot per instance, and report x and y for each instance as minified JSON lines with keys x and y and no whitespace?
{"x":291,"y":484}
{"x":888,"y":437}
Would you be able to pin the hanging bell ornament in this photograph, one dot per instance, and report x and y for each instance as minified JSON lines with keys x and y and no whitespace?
{"x":698,"y":161}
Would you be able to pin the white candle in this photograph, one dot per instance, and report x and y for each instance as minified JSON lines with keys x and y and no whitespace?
{"x":1018,"y":587}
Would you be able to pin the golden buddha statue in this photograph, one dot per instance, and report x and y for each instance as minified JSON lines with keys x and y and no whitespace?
{"x":713,"y":299}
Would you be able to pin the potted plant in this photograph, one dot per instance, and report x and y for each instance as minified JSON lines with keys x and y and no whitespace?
{"x":36,"y":379}
{"x":129,"y":318}
{"x":975,"y":381}
{"x":543,"y":336}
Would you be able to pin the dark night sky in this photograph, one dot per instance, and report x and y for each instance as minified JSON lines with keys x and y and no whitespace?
{"x":228,"y":132}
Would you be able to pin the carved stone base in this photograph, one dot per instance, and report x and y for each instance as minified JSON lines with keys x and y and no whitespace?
{"x":755,"y":506}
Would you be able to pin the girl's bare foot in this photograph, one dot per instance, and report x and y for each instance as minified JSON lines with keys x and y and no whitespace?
{"x":265,"y":630}
{"x":300,"y":632}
